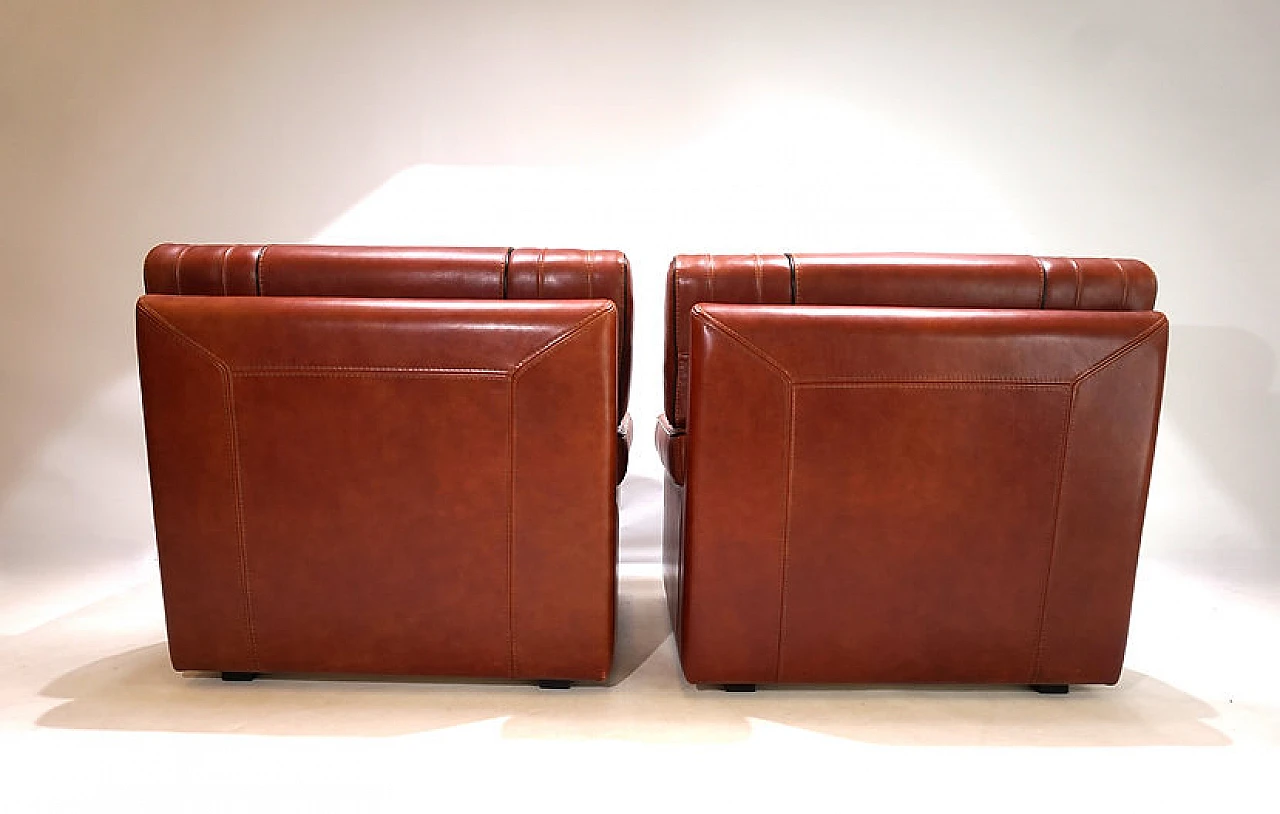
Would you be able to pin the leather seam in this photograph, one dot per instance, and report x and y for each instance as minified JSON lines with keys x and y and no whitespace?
{"x":511,"y":524}
{"x":925,"y":384}
{"x":591,"y":273}
{"x":1122,"y":352}
{"x":177,"y":268}
{"x":225,"y":254}
{"x":233,"y":445}
{"x":873,"y":379}
{"x":746,"y":344}
{"x":1064,"y":451}
{"x":1124,"y":278}
{"x":524,"y":366}
{"x":1160,"y":325}
{"x":786,"y":530}
{"x":1097,"y":366}
{"x":262,"y":270}
{"x":791,"y":265}
{"x":1044,"y":281}
{"x":238,"y":485}
{"x":674,"y":299}
{"x":173,"y":329}
{"x":537,"y":283}
{"x":320,"y":370}
{"x":258,"y":253}
{"x":505,"y":271}
{"x":533,"y":359}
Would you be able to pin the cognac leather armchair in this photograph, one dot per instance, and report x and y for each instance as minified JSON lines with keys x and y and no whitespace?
{"x":394,"y":461}
{"x":907,"y":468}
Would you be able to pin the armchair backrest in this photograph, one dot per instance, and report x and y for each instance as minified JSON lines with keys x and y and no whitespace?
{"x":906,"y":280}
{"x":400,"y":272}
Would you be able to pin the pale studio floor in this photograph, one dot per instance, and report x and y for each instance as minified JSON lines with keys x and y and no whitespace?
{"x":91,"y":712}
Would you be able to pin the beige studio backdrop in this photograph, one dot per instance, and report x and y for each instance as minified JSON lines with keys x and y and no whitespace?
{"x":1145,"y":128}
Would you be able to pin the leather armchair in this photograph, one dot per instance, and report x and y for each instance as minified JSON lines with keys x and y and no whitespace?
{"x":388,"y":461}
{"x":906,"y":468}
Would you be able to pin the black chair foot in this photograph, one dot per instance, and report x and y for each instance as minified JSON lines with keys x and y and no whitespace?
{"x":739,"y":687}
{"x":554,"y":684}
{"x":1051,"y":689}
{"x":235,"y":676}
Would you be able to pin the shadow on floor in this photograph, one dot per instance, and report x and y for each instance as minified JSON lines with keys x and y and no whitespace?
{"x":649,"y":702}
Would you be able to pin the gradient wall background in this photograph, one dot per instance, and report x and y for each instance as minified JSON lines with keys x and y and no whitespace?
{"x":1145,"y":128}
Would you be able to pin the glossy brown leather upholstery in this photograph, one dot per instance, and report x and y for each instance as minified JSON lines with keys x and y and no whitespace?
{"x":907,"y":468}
{"x":380,"y":465}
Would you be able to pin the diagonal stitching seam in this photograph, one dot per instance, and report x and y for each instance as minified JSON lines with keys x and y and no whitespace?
{"x":524,"y":366}
{"x":1159,"y":326}
{"x":233,"y":443}
{"x":746,"y":344}
{"x":533,"y":359}
{"x":1129,"y":347}
{"x":238,"y":485}
{"x":168,"y":326}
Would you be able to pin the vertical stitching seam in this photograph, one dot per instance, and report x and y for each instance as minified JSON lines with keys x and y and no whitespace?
{"x":233,"y":446}
{"x":504,"y":271}
{"x":1044,"y":281}
{"x":1064,"y":449}
{"x":177,"y":268}
{"x":262,"y":269}
{"x":225,"y":254}
{"x":542,"y":254}
{"x":511,"y":526}
{"x":591,"y":274}
{"x":786,"y":528}
{"x":711,"y":278}
{"x":257,"y":261}
{"x":1124,"y":277}
{"x":759,"y":279}
{"x":675,"y":341}
{"x":795,"y":281}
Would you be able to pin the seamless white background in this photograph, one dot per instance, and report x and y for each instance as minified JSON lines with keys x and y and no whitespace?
{"x":1144,"y":128}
